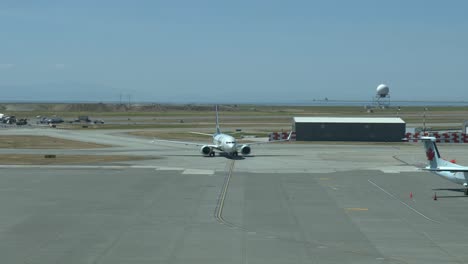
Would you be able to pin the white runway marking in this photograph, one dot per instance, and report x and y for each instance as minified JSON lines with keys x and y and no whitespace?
{"x":405,"y":204}
{"x":198,"y":172}
{"x":398,"y":169}
{"x":142,"y":166}
{"x":169,"y":168}
{"x":110,"y":167}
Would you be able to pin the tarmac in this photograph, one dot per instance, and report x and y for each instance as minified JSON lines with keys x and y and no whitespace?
{"x":287,"y":203}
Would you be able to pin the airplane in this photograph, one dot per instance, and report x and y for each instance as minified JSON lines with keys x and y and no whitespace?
{"x":445,"y":169}
{"x":222,"y":142}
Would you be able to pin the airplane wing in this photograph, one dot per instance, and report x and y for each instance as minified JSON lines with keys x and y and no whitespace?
{"x":264,"y":142}
{"x":269,"y":142}
{"x":184,"y":143}
{"x":452,"y":169}
{"x":200,"y":133}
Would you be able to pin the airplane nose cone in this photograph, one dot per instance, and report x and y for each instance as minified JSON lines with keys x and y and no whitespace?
{"x":230,"y":147}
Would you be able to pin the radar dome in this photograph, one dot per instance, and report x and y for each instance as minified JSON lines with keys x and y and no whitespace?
{"x":382,"y":90}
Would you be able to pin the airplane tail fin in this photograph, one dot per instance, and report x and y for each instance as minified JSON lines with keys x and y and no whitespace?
{"x":218,"y":131}
{"x":432,"y":153}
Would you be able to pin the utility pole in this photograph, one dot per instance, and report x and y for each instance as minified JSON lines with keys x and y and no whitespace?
{"x":424,"y":120}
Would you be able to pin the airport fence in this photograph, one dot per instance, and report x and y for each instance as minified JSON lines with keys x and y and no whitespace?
{"x":273,"y":136}
{"x":448,"y":137}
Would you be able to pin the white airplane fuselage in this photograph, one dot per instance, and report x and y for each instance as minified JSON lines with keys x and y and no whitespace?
{"x":443,"y":168}
{"x":456,"y":177}
{"x":225,"y":143}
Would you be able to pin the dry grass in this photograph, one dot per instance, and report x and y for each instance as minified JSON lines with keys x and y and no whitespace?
{"x":187,"y":136}
{"x":44,"y":142}
{"x":36,"y":159}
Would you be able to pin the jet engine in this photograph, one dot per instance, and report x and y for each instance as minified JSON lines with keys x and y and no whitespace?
{"x":205,"y":150}
{"x":245,"y":150}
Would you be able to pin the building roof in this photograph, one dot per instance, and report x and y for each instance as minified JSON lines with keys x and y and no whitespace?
{"x":361,"y":120}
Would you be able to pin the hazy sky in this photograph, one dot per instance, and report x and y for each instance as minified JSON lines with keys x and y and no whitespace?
{"x":233,"y":51}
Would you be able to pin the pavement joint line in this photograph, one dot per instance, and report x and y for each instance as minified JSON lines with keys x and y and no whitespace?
{"x":223,"y":193}
{"x":222,"y":197}
{"x":405,"y":204}
{"x":402,"y":161}
{"x":357,"y":209}
{"x":441,"y":248}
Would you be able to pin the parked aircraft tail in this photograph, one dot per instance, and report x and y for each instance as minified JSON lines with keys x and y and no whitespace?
{"x":436,"y":163}
{"x":445,"y":169}
{"x":432,"y":153}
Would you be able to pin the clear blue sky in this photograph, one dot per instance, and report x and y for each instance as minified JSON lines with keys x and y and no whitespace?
{"x":233,"y":51}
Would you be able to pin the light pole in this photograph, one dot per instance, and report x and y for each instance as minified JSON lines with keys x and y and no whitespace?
{"x":424,"y":120}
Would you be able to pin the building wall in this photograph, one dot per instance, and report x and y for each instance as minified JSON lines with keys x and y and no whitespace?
{"x":382,"y":132}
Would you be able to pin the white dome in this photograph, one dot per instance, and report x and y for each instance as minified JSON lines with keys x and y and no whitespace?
{"x":383,"y":90}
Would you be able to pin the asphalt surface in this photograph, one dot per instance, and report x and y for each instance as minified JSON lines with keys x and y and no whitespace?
{"x":287,"y":203}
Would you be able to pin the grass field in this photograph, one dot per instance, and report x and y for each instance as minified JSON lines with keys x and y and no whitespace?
{"x":44,"y":142}
{"x":187,"y":136}
{"x":271,"y":118}
{"x":113,"y":110}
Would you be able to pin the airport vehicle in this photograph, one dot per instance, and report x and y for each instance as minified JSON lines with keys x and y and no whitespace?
{"x":22,"y":122}
{"x":52,"y":120}
{"x":86,"y":120}
{"x":443,"y":168}
{"x":8,"y":119}
{"x":83,"y":119}
{"x":222,"y":142}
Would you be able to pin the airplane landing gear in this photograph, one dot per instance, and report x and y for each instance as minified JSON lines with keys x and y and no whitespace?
{"x":235,"y":154}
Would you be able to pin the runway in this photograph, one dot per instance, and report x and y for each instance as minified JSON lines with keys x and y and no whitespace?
{"x":289,"y":203}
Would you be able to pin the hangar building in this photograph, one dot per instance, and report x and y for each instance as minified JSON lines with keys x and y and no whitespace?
{"x":379,"y":129}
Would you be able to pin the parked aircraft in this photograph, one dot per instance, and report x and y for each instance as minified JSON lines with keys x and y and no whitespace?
{"x":445,"y":169}
{"x":222,"y":142}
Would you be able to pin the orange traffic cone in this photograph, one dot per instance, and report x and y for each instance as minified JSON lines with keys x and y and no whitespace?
{"x":411,"y":195}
